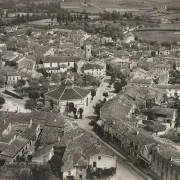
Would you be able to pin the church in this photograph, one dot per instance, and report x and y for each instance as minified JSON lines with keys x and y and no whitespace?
{"x":65,"y":94}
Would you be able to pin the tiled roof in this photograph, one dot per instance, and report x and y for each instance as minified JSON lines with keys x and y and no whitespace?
{"x":44,"y":118}
{"x":60,"y":59}
{"x":89,"y":66}
{"x":117,"y":107}
{"x":49,"y":135}
{"x":80,"y":148}
{"x":66,"y":94}
{"x":43,"y":49}
{"x":10,"y":55}
{"x":14,"y":147}
{"x":42,"y":152}
{"x":141,"y":81}
{"x":164,"y":111}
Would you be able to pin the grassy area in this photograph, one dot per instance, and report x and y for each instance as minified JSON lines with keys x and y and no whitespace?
{"x":159,"y":35}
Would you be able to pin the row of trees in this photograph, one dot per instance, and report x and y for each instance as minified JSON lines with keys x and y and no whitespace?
{"x":115,"y":16}
{"x":67,"y":17}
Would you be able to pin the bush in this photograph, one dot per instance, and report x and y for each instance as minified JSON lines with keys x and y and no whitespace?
{"x":2,"y":101}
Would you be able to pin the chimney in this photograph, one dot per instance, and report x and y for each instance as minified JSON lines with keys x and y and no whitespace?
{"x":7,"y":111}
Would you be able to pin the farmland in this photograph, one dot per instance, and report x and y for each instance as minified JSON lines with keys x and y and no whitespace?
{"x":160,"y":36}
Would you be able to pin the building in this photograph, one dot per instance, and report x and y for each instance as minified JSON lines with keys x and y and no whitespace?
{"x":88,"y":51}
{"x":141,"y":82}
{"x":10,"y":56}
{"x":13,"y":77}
{"x":170,"y":90}
{"x":20,"y":131}
{"x":67,"y":94}
{"x":177,"y":66}
{"x":56,"y":63}
{"x":96,"y":70}
{"x":83,"y":151}
{"x":129,"y":37}
{"x":42,"y":51}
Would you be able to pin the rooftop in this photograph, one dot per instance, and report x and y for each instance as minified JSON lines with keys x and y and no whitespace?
{"x":59,"y":59}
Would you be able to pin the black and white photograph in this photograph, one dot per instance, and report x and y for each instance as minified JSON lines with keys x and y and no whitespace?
{"x":89,"y":89}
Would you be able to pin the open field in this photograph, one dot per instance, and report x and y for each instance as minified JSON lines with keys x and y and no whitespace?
{"x":159,"y":36}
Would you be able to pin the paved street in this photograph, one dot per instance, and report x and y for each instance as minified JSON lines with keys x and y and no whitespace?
{"x":124,"y":171}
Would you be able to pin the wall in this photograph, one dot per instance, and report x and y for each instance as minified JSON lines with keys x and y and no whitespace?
{"x":73,"y":173}
{"x":104,"y":162}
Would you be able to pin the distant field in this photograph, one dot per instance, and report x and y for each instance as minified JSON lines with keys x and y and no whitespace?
{"x":159,"y":36}
{"x":41,"y":22}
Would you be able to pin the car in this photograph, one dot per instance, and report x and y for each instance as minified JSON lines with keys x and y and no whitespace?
{"x":92,"y":123}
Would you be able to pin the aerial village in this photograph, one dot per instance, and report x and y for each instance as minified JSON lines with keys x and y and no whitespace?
{"x":88,"y":104}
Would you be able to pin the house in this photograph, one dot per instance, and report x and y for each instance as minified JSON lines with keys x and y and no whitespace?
{"x":67,"y":94}
{"x":166,"y":115}
{"x":22,"y":143}
{"x":26,"y":65}
{"x":165,"y":159}
{"x":96,"y":70}
{"x":13,"y":77}
{"x":85,"y":151}
{"x":20,"y":131}
{"x":141,"y":82}
{"x":43,"y":154}
{"x":10,"y":56}
{"x":129,"y":37}
{"x":177,"y":66}
{"x":57,"y":63}
{"x":170,"y":90}
{"x":42,"y":51}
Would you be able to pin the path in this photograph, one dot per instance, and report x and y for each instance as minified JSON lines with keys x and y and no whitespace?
{"x":124,"y":171}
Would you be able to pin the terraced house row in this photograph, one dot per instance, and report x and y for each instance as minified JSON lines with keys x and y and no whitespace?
{"x":138,"y":134}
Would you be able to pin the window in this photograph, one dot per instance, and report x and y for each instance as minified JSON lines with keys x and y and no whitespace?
{"x":94,"y":164}
{"x":69,"y":173}
{"x":99,"y":157}
{"x":68,"y":63}
{"x":80,"y":176}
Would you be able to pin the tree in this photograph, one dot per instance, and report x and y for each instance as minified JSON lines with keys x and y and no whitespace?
{"x":74,"y":112}
{"x":80,"y":112}
{"x":30,"y":104}
{"x":93,"y":93}
{"x":153,"y":54}
{"x":98,"y":107}
{"x":118,"y":86}
{"x":29,"y":32}
{"x":56,"y":78}
{"x":2,"y":79}
{"x":34,"y":94}
{"x":105,"y":94}
{"x":34,"y":83}
{"x":25,"y":174}
{"x":2,"y":101}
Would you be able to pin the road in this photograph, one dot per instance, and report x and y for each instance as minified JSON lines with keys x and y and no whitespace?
{"x":12,"y":104}
{"x":124,"y":171}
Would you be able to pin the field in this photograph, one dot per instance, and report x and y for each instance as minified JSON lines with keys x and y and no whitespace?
{"x":159,"y":35}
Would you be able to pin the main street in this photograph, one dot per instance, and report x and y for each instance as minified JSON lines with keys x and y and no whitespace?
{"x":124,"y":170}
